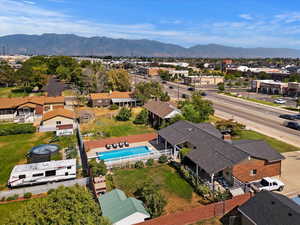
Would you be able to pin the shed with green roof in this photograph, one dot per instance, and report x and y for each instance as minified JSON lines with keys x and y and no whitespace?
{"x":121,"y":210}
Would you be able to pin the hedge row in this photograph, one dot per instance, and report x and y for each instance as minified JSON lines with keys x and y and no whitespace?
{"x":14,"y":128}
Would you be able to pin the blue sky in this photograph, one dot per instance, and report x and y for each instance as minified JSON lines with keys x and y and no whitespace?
{"x":245,"y":23}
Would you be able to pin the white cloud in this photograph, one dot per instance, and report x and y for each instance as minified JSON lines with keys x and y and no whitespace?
{"x":272,"y":31}
{"x":29,"y":2}
{"x":246,"y":16}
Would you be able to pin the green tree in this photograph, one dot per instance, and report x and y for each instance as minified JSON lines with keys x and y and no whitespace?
{"x":142,"y":117}
{"x":7,"y":74}
{"x":184,"y":152}
{"x":221,"y":86}
{"x":164,"y":75}
{"x":165,"y":97}
{"x":154,"y":201}
{"x":124,"y":114}
{"x":98,"y":168}
{"x":118,"y":80}
{"x":145,"y":91}
{"x":65,"y":205}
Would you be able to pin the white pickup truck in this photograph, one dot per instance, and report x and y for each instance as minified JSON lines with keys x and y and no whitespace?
{"x":267,"y":184}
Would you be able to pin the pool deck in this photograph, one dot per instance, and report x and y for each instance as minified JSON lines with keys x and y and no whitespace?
{"x":92,"y":152}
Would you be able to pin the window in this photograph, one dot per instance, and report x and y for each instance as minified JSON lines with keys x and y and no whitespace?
{"x":50,"y":173}
{"x":69,"y":167}
{"x":66,"y":174}
{"x":22,"y":176}
{"x":38,"y":175}
{"x":58,"y":122}
{"x":253,"y":172}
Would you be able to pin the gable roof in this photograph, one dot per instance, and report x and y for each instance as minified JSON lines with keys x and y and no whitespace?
{"x":114,"y":94}
{"x":116,"y":206}
{"x":259,"y":149}
{"x":161,"y":109}
{"x":11,"y":103}
{"x":269,"y":208}
{"x":59,"y":112}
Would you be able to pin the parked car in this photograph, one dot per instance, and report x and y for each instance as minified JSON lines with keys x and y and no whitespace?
{"x":191,"y":89}
{"x":279,"y":101}
{"x":292,"y":125}
{"x":268,"y":184}
{"x":297,"y":116}
{"x":288,"y":117}
{"x":184,"y":96}
{"x":171,"y":87}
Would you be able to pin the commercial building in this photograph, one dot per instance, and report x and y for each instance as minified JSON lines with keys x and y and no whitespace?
{"x":203,"y":80}
{"x":276,"y":87}
{"x":154,"y":71}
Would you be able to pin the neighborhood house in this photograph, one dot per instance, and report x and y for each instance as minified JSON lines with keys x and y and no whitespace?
{"x":28,"y":109}
{"x":115,"y":97}
{"x":232,"y":164}
{"x":121,"y":210}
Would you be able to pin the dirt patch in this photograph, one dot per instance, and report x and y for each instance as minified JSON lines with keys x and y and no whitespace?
{"x":176,"y":204}
{"x":2,"y":144}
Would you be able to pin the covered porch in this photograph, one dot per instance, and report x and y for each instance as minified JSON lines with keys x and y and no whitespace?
{"x":130,"y":102}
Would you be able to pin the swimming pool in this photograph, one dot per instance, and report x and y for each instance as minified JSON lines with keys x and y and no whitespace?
{"x":123,"y":153}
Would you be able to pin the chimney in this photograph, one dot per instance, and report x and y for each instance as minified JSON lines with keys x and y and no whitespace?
{"x":227,"y":138}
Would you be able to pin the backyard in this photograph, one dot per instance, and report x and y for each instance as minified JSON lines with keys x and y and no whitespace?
{"x":280,"y":146}
{"x":12,"y":92}
{"x":106,"y":126}
{"x":179,"y":194}
{"x":13,"y":150}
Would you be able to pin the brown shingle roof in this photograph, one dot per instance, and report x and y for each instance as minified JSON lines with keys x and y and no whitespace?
{"x":59,"y":112}
{"x":159,"y":108}
{"x":114,"y":94}
{"x":8,"y":103}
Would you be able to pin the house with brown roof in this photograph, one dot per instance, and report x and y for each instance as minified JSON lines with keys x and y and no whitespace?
{"x":63,"y":121}
{"x":160,"y":112}
{"x":115,"y":97}
{"x":27,"y":109}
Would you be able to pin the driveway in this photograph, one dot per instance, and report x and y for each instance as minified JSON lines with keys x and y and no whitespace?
{"x":291,"y":174}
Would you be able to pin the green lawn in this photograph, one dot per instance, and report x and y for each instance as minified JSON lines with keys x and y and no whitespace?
{"x":13,"y":149}
{"x":280,"y":146}
{"x":6,"y":209}
{"x":178,"y":192}
{"x":112,"y":128}
{"x":12,"y":92}
{"x":166,"y":177}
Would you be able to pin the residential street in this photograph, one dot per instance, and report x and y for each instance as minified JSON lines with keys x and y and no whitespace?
{"x":261,"y":118}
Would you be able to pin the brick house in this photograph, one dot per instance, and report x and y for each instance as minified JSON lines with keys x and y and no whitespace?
{"x":232,"y":164}
{"x":109,"y":98}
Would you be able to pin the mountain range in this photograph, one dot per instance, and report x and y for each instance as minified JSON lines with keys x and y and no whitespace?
{"x":73,"y":45}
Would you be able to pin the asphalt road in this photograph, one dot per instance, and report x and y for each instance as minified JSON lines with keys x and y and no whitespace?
{"x":255,"y":116}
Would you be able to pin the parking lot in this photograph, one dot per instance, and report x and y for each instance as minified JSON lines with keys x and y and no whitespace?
{"x":290,"y":102}
{"x":291,"y":174}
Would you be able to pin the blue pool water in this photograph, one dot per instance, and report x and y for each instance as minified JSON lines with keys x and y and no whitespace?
{"x":123,"y":153}
{"x":297,"y":200}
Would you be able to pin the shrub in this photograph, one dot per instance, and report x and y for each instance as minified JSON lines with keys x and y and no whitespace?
{"x":28,"y":195}
{"x":124,"y":114}
{"x":114,"y":107}
{"x":50,"y":191}
{"x":14,"y":197}
{"x":3,"y":199}
{"x":14,"y":128}
{"x":142,"y":117}
{"x":139,"y":164}
{"x":163,"y":159}
{"x":150,"y":162}
{"x":98,"y":168}
{"x":230,"y":126}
